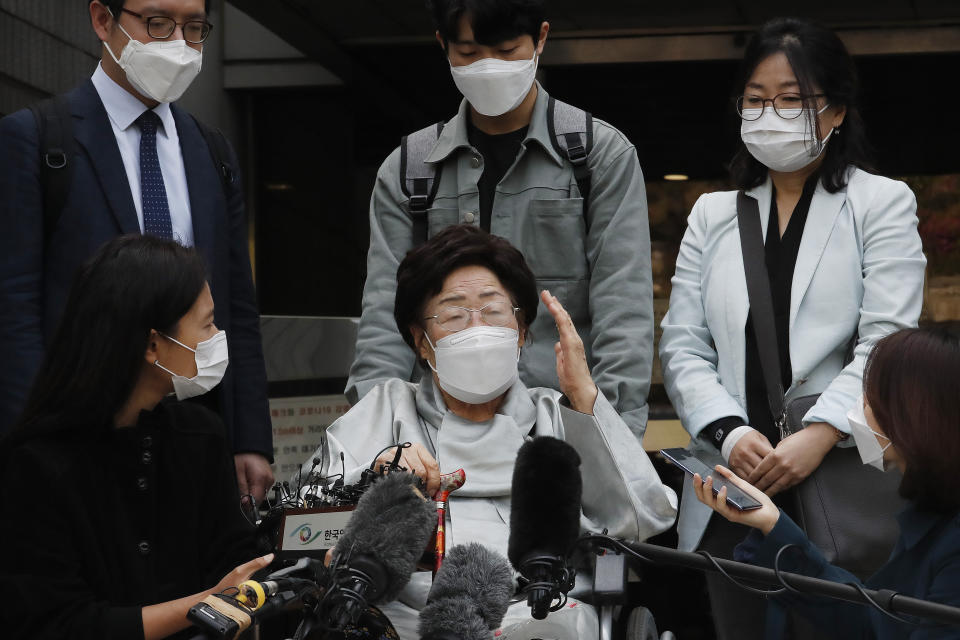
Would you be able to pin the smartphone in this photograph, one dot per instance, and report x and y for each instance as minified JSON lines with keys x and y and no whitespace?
{"x":735,"y":497}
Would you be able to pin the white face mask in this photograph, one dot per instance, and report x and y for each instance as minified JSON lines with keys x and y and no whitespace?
{"x":866,"y":438}
{"x":780,"y":144}
{"x":494,"y":87}
{"x":477,"y":364}
{"x":159,"y":70}
{"x":212,"y":359}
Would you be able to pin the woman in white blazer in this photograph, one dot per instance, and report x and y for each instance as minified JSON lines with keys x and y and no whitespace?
{"x":845,"y":263}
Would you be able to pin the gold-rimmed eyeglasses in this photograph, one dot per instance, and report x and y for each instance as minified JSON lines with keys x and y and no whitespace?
{"x":454,"y":318}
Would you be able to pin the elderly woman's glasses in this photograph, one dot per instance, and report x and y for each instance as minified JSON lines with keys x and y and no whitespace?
{"x":162,"y":27}
{"x":453,"y":319}
{"x":786,"y":105}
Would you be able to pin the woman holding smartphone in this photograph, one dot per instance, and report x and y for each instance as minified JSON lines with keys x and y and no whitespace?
{"x":907,"y":419}
{"x":844,"y":265}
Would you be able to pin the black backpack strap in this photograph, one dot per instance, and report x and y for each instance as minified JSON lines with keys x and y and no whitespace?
{"x":761,"y":301}
{"x":571,"y":132}
{"x":220,"y":153}
{"x":57,"y":153}
{"x":419,"y":179}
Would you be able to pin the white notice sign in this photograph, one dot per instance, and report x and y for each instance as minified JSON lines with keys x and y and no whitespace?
{"x":298,"y":426}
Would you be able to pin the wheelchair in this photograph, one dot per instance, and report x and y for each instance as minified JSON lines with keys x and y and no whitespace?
{"x":604,"y":588}
{"x":609,"y":594}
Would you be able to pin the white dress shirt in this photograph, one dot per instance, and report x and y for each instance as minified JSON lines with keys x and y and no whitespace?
{"x":123,"y":109}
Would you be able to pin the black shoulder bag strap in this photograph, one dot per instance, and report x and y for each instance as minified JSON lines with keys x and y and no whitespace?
{"x":761,"y":302}
{"x":571,"y":132}
{"x":220,"y":154}
{"x":57,"y":152}
{"x":419,"y":179}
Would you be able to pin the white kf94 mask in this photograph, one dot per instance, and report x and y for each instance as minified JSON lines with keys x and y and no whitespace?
{"x":866,"y":438}
{"x":159,"y":70}
{"x":494,"y":87}
{"x":212,"y":358}
{"x":477,"y":364}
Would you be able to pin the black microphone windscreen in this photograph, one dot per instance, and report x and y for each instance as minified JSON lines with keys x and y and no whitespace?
{"x":481,"y":575}
{"x":545,"y":499}
{"x":390,"y":527}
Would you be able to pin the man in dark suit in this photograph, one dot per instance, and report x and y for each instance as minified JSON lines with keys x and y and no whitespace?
{"x":139,"y":165}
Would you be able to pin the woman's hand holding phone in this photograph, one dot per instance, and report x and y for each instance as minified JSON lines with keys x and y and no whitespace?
{"x":764,"y":518}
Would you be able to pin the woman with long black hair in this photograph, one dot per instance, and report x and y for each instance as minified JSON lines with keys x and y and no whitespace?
{"x":121,"y":504}
{"x":843,"y":263}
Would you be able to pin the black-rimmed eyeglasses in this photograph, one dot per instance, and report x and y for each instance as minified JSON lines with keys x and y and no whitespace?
{"x":786,"y":105}
{"x":162,"y":27}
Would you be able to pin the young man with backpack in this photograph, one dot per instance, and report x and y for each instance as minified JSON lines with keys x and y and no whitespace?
{"x":563,"y":187}
{"x":113,"y":157}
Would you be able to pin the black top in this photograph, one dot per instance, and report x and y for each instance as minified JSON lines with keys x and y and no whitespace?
{"x":781,"y":257}
{"x":100,"y":524}
{"x":499,"y":153}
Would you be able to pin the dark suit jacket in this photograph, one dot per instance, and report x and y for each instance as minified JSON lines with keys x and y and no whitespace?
{"x":35,"y":275}
{"x":924,"y":564}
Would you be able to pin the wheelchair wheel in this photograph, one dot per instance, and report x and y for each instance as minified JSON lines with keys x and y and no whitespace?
{"x":641,"y":626}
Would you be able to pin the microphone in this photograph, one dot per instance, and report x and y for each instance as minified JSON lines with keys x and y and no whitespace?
{"x":257,"y":601}
{"x":380,"y":547}
{"x":307,"y":576}
{"x":469,"y":596}
{"x":545,"y":520}
{"x":287,"y":594}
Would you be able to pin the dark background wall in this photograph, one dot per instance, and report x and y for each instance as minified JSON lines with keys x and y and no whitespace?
{"x":43,"y":50}
{"x":678,"y":114}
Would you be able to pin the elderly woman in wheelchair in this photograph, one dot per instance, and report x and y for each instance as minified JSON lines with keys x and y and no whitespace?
{"x":464,"y":302}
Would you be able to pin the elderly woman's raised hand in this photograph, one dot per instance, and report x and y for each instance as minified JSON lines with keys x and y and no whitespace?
{"x":572,"y":369}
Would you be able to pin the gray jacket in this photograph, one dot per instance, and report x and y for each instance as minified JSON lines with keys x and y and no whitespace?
{"x":601,"y":275}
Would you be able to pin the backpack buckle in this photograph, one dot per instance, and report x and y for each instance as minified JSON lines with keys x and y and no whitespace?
{"x":577,"y":154}
{"x":226,"y":172}
{"x":576,"y":151}
{"x":419,"y":203}
{"x":55,"y":159}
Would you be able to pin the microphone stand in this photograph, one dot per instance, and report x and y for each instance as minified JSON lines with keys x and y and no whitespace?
{"x":887,"y":600}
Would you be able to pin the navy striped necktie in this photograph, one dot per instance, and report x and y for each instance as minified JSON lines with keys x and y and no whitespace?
{"x":153,"y":193}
